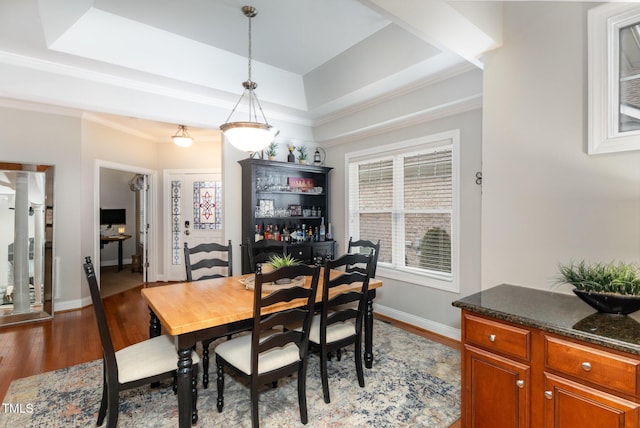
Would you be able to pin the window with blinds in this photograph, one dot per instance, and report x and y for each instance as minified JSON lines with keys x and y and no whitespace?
{"x":405,"y":198}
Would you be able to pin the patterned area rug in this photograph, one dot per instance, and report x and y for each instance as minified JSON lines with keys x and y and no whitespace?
{"x":414,"y":382}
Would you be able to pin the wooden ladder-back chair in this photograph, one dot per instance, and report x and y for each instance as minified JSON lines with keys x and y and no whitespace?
{"x":363,"y":246}
{"x":139,"y":364}
{"x":270,"y":352}
{"x":200,"y":263}
{"x":261,"y":251}
{"x":340,"y":321}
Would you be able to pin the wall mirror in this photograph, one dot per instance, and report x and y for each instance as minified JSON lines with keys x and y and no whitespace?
{"x":26,"y":242}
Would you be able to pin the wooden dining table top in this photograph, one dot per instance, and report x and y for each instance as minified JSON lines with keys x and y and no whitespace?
{"x":191,"y":306}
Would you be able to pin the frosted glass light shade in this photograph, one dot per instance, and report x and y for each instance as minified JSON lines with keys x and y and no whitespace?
{"x":182,"y":141}
{"x":249,"y":136}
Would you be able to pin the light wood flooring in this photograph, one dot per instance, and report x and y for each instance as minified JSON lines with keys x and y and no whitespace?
{"x":71,"y":337}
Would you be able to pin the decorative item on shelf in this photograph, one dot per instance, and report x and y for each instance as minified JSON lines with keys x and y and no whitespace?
{"x":318,"y":157}
{"x":291,"y":157}
{"x":302,"y":154}
{"x":301,"y":184}
{"x":296,"y":210}
{"x":251,"y":135}
{"x":182,"y":137}
{"x":272,"y":151}
{"x":612,"y":288}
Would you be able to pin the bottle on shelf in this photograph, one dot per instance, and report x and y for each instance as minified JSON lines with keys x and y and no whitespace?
{"x":322,"y":230}
{"x":258,"y":234}
{"x":276,"y":233}
{"x":329,"y":236}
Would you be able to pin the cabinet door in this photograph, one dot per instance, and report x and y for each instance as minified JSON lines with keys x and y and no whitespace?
{"x":568,"y":404}
{"x":496,"y":389}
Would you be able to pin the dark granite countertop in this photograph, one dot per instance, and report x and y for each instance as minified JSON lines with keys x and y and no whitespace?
{"x":558,"y":313}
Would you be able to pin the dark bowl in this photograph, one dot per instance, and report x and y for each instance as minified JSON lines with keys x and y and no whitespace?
{"x":610,"y":303}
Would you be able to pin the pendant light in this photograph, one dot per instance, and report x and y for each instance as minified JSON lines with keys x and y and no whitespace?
{"x":182,"y":137}
{"x":251,"y":135}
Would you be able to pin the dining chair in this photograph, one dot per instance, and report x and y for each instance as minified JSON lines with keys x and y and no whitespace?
{"x":271,"y":352}
{"x":139,"y":364}
{"x":363,"y":246}
{"x":202,"y":262}
{"x":261,"y":251}
{"x":339,"y":323}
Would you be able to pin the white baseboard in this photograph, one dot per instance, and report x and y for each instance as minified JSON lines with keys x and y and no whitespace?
{"x":67,"y":305}
{"x":435,"y":327}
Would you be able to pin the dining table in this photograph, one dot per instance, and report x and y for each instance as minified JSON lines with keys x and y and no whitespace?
{"x":199,"y":310}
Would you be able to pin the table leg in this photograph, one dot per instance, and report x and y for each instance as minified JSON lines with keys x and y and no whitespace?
{"x":368,"y":334}
{"x":119,"y":255}
{"x":185,"y":405}
{"x":154,"y":324}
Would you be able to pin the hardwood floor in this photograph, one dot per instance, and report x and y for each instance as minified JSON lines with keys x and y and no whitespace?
{"x":72,"y":337}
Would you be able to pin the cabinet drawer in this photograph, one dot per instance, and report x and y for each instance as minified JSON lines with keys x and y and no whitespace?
{"x":497,"y":337}
{"x":599,"y":367}
{"x":301,"y":252}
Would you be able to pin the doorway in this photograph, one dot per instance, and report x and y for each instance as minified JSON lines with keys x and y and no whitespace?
{"x":124,"y":213}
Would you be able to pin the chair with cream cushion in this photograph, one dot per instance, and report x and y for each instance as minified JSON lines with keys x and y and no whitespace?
{"x":136,"y":365}
{"x":271,"y":352}
{"x":208,"y":260}
{"x":339,"y":323}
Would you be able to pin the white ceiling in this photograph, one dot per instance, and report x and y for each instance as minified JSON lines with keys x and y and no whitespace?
{"x":311,"y":58}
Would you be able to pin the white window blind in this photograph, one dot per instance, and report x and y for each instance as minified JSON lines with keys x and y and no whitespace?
{"x":405,"y":198}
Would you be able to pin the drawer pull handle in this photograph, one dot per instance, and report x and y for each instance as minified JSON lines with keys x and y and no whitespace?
{"x":586,"y":366}
{"x":520,"y":383}
{"x":492,"y":338}
{"x":548,"y":395}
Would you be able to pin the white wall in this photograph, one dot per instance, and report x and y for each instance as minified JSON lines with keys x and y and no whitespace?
{"x":38,"y":137}
{"x":544,"y":199}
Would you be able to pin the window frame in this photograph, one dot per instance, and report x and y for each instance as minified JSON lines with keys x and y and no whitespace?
{"x":604,"y":25}
{"x":411,"y":274}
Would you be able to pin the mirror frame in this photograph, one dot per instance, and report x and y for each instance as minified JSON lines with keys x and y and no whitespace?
{"x":46,"y":309}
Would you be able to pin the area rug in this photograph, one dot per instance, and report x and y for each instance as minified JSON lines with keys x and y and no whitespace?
{"x":414,"y":383}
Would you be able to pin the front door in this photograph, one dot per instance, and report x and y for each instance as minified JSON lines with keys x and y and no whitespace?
{"x":194,"y":215}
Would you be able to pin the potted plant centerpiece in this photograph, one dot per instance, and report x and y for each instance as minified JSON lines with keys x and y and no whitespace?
{"x":608,"y":287}
{"x":302,"y":154}
{"x":272,"y":151}
{"x":276,"y":262}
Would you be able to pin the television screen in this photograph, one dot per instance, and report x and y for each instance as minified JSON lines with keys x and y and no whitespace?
{"x":113,"y":216}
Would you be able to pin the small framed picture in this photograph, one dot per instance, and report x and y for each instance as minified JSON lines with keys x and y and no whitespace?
{"x":296,"y":210}
{"x":266,"y":207}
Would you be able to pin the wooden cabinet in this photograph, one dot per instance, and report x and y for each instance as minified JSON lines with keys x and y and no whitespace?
{"x":496,"y":374}
{"x":285,"y":194}
{"x":517,"y":376}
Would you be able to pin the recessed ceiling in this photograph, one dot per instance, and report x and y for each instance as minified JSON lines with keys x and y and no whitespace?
{"x":310,"y":58}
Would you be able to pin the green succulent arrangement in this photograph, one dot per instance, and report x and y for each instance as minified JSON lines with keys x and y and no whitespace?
{"x":277,"y":262}
{"x":302,"y":153}
{"x":613,"y":278}
{"x":272,"y":149}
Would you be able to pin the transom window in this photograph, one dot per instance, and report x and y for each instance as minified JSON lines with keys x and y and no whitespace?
{"x":405,"y":195}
